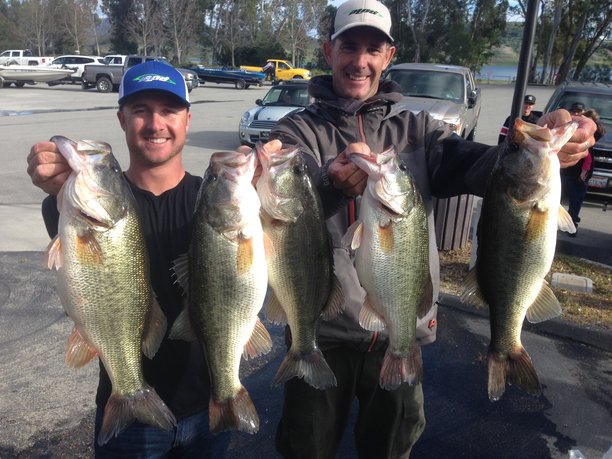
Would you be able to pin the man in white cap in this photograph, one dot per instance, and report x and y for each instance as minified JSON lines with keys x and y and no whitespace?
{"x":356,"y":112}
{"x":154,"y":114}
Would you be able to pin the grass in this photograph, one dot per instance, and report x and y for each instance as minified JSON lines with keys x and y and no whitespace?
{"x":586,"y":309}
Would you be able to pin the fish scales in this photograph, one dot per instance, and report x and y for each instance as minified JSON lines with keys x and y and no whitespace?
{"x":300,"y":266}
{"x":226,"y":281}
{"x":517,"y":233}
{"x":392,"y":261}
{"x":103,"y":282}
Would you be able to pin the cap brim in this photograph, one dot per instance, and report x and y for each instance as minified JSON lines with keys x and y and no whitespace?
{"x":360,"y":24}
{"x":179,"y":100}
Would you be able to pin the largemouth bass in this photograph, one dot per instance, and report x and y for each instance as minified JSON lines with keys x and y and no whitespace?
{"x":517,"y":234}
{"x":391,"y":243}
{"x":300,"y":264}
{"x":103,"y":278}
{"x":225,"y":277}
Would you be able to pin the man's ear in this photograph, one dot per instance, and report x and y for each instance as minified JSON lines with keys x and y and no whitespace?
{"x":327,"y":49}
{"x":121,"y":118}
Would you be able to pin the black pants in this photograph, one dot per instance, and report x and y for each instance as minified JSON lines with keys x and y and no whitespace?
{"x":313,"y":421}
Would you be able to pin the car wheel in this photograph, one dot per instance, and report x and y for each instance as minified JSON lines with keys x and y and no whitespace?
{"x":472,"y":135}
{"x":104,"y":85}
{"x":240,"y":84}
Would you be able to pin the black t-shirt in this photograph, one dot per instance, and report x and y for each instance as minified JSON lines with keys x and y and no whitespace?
{"x":178,"y":372}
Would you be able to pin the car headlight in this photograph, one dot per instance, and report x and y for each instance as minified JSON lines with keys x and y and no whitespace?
{"x":455,"y":125}
{"x":245,"y":118}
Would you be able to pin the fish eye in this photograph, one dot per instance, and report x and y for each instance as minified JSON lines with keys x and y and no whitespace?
{"x":403,"y":167}
{"x":211,"y":178}
{"x":299,"y":169}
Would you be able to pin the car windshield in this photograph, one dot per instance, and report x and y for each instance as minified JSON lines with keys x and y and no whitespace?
{"x":287,"y":96}
{"x":423,"y":83}
{"x":600,"y":102}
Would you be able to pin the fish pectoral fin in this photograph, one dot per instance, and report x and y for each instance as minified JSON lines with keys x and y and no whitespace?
{"x":335,"y":300}
{"x":53,"y":254}
{"x":546,"y":306}
{"x":369,"y":319}
{"x":78,"y":350}
{"x":182,"y":329}
{"x":536,"y":225}
{"x":155,"y":329}
{"x":426,"y":299}
{"x":180,"y":272}
{"x":352,"y":237}
{"x":565,"y":222}
{"x":471,"y":291}
{"x":274,"y":310}
{"x":259,"y":343}
{"x":244,"y":256}
{"x":88,"y":250}
{"x":385,"y":236}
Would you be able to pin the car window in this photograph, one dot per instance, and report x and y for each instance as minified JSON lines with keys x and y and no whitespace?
{"x":435,"y":85}
{"x":600,"y":102}
{"x":58,"y":61}
{"x":282,"y":95}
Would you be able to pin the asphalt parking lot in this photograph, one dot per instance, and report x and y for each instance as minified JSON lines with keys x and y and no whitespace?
{"x":47,"y":407}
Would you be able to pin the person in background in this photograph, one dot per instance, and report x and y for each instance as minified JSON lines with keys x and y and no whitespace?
{"x":575,"y":179}
{"x":154,"y":113}
{"x":356,"y":112}
{"x":529,"y":114}
{"x":268,"y":69}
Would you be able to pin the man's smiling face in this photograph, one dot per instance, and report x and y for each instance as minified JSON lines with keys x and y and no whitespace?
{"x":357,"y":58}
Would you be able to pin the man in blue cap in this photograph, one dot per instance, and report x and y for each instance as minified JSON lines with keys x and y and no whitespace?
{"x":528,"y":115}
{"x":154,"y":114}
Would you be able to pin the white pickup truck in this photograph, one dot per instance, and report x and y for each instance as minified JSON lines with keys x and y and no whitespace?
{"x":23,"y":57}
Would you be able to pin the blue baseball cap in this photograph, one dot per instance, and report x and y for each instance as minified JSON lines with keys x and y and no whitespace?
{"x":153,"y":76}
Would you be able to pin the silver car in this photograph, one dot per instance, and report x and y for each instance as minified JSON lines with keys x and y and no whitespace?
{"x":281,"y":100}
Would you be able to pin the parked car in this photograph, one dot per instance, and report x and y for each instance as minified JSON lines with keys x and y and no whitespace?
{"x":599,"y":97}
{"x":282,"y":99}
{"x":447,"y":92}
{"x":76,"y":62}
{"x":106,"y":77}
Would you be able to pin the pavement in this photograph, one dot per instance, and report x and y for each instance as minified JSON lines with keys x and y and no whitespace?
{"x":46,"y":409}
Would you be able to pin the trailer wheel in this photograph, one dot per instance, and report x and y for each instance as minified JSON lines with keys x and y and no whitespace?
{"x":104,"y":85}
{"x":241,"y":84}
{"x":20,"y":84}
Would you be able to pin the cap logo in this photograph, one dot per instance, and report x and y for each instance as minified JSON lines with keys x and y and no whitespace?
{"x":148,"y":77}
{"x":365,"y":10}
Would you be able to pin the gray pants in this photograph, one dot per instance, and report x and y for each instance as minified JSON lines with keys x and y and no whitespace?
{"x":313,"y":421}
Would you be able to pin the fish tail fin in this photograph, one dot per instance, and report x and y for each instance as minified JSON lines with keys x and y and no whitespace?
{"x":398,"y":368}
{"x":312,"y":367}
{"x":237,"y":413}
{"x":144,"y":405}
{"x":516,"y":368}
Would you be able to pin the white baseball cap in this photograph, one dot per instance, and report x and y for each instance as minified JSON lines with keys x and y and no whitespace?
{"x":362,"y":13}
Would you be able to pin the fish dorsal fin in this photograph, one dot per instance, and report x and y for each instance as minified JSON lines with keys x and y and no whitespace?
{"x":471,"y":292}
{"x":180,"y":269}
{"x":546,"y":306}
{"x":335,"y":300}
{"x":182,"y":329}
{"x":274,"y":310}
{"x":53,"y":254}
{"x":155,"y":329}
{"x":564,"y":221}
{"x":259,"y":343}
{"x":369,"y":319}
{"x":78,"y":351}
{"x":426,"y":299}
{"x":352,"y":237}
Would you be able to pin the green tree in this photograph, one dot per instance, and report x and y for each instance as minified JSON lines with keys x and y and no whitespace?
{"x":121,"y":13}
